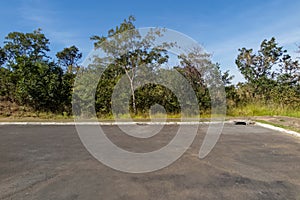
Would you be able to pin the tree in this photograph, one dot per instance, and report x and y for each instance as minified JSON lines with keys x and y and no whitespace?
{"x":4,"y":75}
{"x":105,"y":88}
{"x":3,"y":57}
{"x":23,"y":51}
{"x":151,"y":94}
{"x":130,"y":50}
{"x":258,"y":69}
{"x":289,"y":71}
{"x":204,"y":76}
{"x":227,"y":78}
{"x":68,"y":58}
{"x":286,"y":91}
{"x":20,"y":47}
{"x":272,"y":75}
{"x":36,"y":81}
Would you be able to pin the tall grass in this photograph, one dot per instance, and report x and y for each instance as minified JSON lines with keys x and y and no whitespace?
{"x":247,"y":110}
{"x":259,"y":109}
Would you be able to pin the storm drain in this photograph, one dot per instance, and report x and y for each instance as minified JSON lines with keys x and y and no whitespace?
{"x":243,"y":122}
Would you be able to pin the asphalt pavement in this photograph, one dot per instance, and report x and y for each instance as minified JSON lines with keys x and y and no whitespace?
{"x":50,"y":162}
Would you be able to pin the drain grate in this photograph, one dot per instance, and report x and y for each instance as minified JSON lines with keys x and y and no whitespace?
{"x":243,"y":122}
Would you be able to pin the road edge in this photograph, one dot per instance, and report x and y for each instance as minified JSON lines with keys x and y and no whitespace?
{"x":107,"y":123}
{"x":275,"y":128}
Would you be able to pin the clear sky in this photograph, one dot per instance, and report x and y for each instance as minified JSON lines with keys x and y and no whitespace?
{"x":221,"y":27}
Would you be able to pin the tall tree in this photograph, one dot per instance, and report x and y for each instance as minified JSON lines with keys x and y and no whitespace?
{"x":289,"y":71}
{"x":69,"y":58}
{"x":36,"y":80}
{"x":258,"y":69}
{"x":21,"y":47}
{"x":130,"y":50}
{"x":204,"y":76}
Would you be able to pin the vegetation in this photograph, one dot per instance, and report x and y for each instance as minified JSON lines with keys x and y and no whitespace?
{"x":32,"y":82}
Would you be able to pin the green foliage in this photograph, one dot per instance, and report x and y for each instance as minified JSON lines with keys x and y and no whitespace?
{"x":272,"y":78}
{"x":258,"y":69}
{"x":68,"y":58}
{"x":260,"y":109}
{"x":151,"y":94}
{"x":6,"y":85}
{"x":2,"y":56}
{"x":30,"y":79}
{"x":25,"y":47}
{"x":129,"y":50}
{"x":105,"y":88}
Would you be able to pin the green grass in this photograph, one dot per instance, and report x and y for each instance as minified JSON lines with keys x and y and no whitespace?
{"x":262,"y":110}
{"x":32,"y":117}
{"x":147,"y":117}
{"x":248,"y":110}
{"x":46,"y":116}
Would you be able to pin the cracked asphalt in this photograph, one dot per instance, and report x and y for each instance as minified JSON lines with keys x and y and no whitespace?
{"x":50,"y":162}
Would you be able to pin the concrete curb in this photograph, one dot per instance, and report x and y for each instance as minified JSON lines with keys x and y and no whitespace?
{"x":145,"y":123}
{"x":275,"y":128}
{"x":107,"y":123}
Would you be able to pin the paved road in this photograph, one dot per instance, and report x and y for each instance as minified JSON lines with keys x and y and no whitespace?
{"x":50,"y":162}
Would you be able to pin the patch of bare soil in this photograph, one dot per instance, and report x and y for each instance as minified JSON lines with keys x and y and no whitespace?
{"x":10,"y":109}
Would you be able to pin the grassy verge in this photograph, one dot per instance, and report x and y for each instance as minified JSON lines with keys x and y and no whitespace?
{"x":279,"y":125}
{"x":50,"y":117}
{"x":251,"y":110}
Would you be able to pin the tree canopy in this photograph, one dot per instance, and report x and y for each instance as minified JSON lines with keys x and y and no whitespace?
{"x":30,"y":78}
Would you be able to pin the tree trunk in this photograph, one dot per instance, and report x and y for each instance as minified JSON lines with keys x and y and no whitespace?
{"x":132,"y":91}
{"x":133,"y":97}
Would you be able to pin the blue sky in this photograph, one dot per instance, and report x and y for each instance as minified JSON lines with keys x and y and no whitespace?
{"x":221,"y":27}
